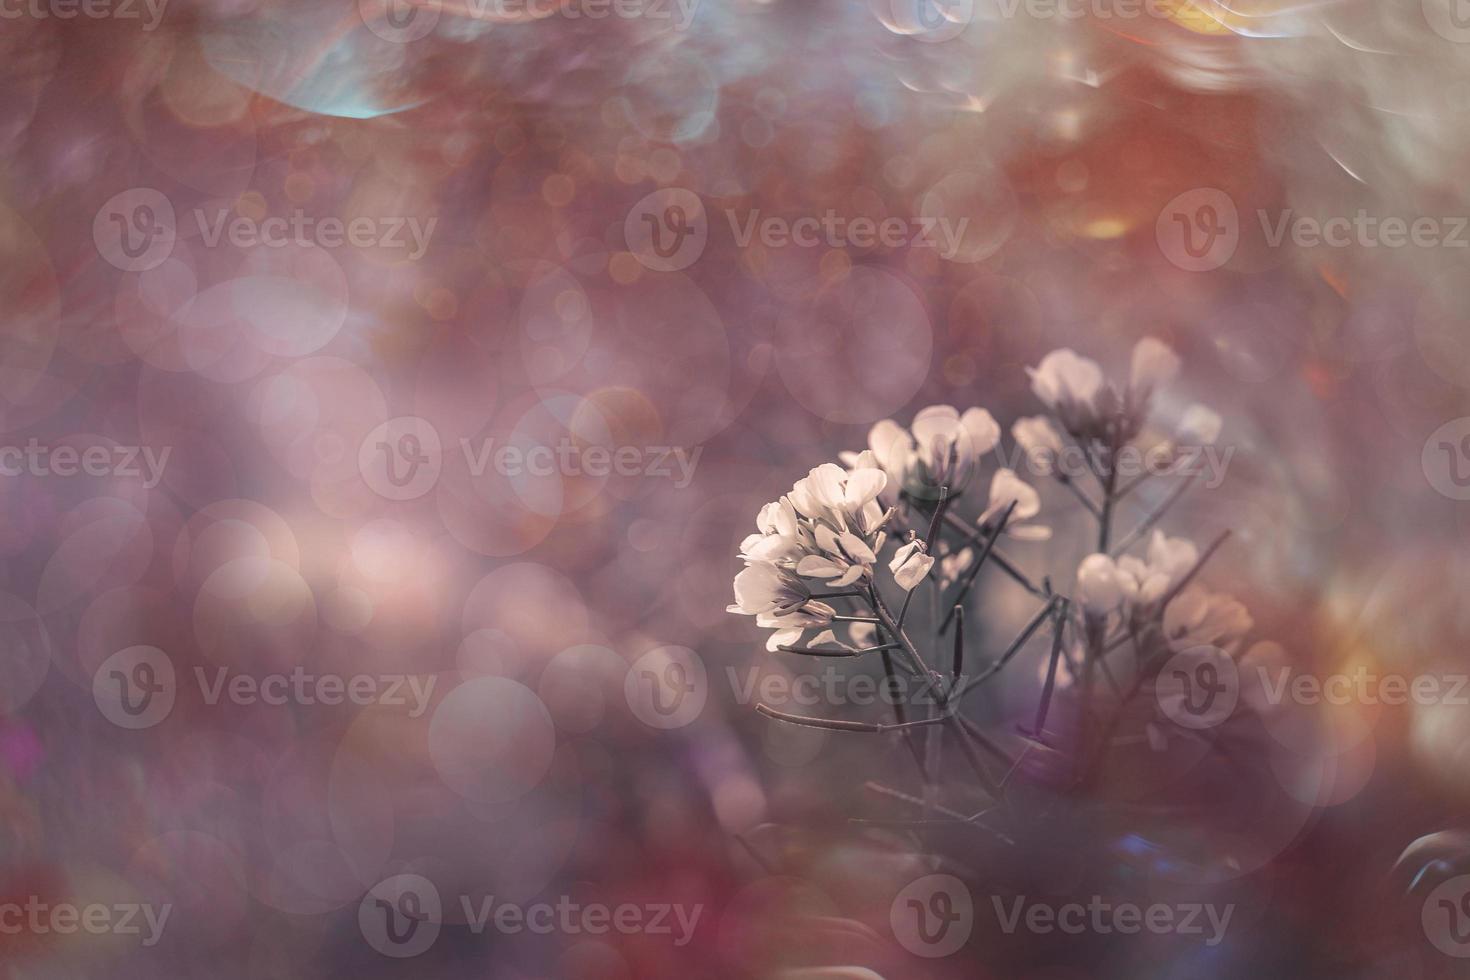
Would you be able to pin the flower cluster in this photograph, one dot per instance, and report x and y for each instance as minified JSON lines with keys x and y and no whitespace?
{"x":821,"y":544}
{"x":829,"y":528}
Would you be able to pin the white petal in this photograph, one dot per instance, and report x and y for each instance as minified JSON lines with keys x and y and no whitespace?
{"x":982,"y":429}
{"x":1154,"y":364}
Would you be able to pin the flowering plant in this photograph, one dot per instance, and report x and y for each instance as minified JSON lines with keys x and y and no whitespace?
{"x":1134,"y":618}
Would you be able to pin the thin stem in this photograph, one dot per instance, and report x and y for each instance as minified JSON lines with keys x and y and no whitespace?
{"x":1058,"y":626}
{"x":1077,"y":492}
{"x":1005,"y":564}
{"x":1154,"y":516}
{"x":957,"y":662}
{"x":855,"y":619}
{"x":977,"y":765}
{"x":843,"y":725}
{"x":814,"y":652}
{"x":1194,"y":570}
{"x":1014,"y":648}
{"x":974,"y":571}
{"x":836,"y":595}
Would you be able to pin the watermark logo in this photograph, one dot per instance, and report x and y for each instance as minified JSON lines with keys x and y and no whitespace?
{"x":135,"y":230}
{"x":930,"y":21}
{"x":153,"y":10}
{"x":838,"y":231}
{"x":34,"y":459}
{"x":667,"y":230}
{"x":1362,"y":686}
{"x":933,"y":916}
{"x":1446,"y":917}
{"x":1103,"y":917}
{"x":833,"y":686}
{"x":399,"y":21}
{"x":1446,"y":459}
{"x":401,"y":458}
{"x":1450,"y":19}
{"x":406,"y":233}
{"x":667,"y":687}
{"x":39,"y":917}
{"x":401,"y":916}
{"x":1198,"y":688}
{"x":1198,"y":230}
{"x":135,"y":688}
{"x":1363,"y":230}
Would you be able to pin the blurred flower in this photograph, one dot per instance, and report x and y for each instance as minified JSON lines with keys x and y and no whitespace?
{"x":1149,"y":579}
{"x":1039,"y":440}
{"x":1197,"y":617}
{"x":1099,"y":585}
{"x":1199,"y":427}
{"x":942,"y":449}
{"x":1007,"y":488}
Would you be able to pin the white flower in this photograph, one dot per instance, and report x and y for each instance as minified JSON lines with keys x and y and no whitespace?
{"x":943,"y":448}
{"x":910,"y":564}
{"x":778,"y":600}
{"x":846,"y":499}
{"x":1154,"y":365}
{"x":1149,"y":580}
{"x":1198,"y":427}
{"x":780,"y":538}
{"x":1099,"y":585}
{"x":763,"y":588}
{"x":1005,"y":488}
{"x":951,"y":565}
{"x":844,"y":558}
{"x":862,"y":635}
{"x":1196,"y":617}
{"x":1040,"y":441}
{"x":1064,"y":378}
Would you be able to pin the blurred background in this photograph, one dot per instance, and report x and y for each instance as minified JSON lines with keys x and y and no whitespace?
{"x":322,"y":625}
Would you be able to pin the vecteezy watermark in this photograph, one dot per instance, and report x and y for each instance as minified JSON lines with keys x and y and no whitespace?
{"x":1450,"y":19}
{"x":1201,"y":229}
{"x":1361,"y":686}
{"x":1446,"y":459}
{"x":933,"y":916}
{"x":401,"y":917}
{"x":136,"y":230}
{"x":35,"y":459}
{"x":401,"y":21}
{"x":152,"y":10}
{"x":667,"y":687}
{"x":1101,"y":916}
{"x":39,"y":917}
{"x":667,"y":230}
{"x":1128,"y":462}
{"x":931,"y":21}
{"x":1363,"y":230}
{"x":300,"y":228}
{"x":1198,"y":688}
{"x":1198,"y":230}
{"x":1446,"y":917}
{"x":834,"y":230}
{"x":401,"y":459}
{"x":834,"y":686}
{"x":136,"y":688}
